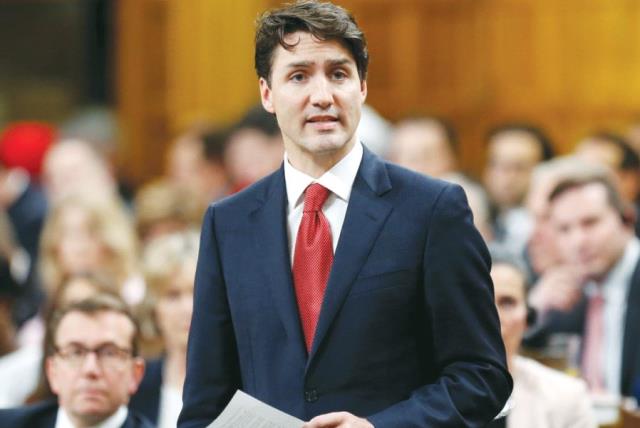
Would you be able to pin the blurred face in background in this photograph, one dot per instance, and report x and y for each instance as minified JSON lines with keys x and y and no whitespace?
{"x":541,"y":247}
{"x":174,"y":307}
{"x":251,"y":155}
{"x":422,"y":147}
{"x":511,"y":158}
{"x":72,"y":167}
{"x":79,"y":248}
{"x":591,"y":234}
{"x":92,"y":389}
{"x":509,"y":291}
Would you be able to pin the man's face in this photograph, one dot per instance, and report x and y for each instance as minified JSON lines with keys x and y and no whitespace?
{"x":91,"y":390}
{"x":512,"y":156}
{"x":422,"y":147}
{"x":316,"y":95}
{"x":590,"y":233}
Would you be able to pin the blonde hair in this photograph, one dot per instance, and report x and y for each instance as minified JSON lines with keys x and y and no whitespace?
{"x":162,"y":200}
{"x":113,"y":228}
{"x":166,"y":255}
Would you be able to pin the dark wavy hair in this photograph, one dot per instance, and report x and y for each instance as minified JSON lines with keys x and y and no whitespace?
{"x":324,"y":21}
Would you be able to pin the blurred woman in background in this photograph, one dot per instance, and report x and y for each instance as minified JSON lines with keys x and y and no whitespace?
{"x":169,"y":266}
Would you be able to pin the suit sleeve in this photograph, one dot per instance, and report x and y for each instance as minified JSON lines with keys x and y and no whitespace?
{"x":472,"y":382}
{"x":213,"y":373}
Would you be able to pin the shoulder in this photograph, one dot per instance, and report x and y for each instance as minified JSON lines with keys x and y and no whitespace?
{"x":547,"y":382}
{"x":31,"y":416}
{"x":136,"y":420}
{"x":251,"y":197}
{"x":418,"y":189}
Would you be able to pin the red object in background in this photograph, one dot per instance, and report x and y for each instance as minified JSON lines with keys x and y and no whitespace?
{"x":24,"y":144}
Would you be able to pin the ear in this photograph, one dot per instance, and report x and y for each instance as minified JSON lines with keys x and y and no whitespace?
{"x":363,"y":90}
{"x":265,"y":95}
{"x":51,"y":371}
{"x":137,"y":372}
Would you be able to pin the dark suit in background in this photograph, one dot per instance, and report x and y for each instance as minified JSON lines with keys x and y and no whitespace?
{"x":574,"y":321}
{"x":408,"y":335}
{"x":146,"y":400}
{"x":43,"y":415}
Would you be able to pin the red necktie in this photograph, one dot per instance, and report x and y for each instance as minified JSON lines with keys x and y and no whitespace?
{"x":312,"y":260}
{"x":594,"y":341}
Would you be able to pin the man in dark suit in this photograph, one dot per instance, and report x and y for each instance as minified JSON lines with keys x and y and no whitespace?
{"x":340,"y":289}
{"x":595,"y":235}
{"x":92,"y":367}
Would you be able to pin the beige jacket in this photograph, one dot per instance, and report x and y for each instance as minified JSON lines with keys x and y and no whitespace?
{"x":547,"y":398}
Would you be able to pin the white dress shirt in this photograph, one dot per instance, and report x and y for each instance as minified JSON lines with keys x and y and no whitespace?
{"x":114,"y":421}
{"x":339,"y":180}
{"x":615,"y":289}
{"x":170,"y":406}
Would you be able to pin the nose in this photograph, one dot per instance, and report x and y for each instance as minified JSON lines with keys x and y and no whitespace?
{"x":321,"y":95}
{"x":91,"y":365}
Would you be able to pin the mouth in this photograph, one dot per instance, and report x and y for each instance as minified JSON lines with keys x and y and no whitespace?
{"x":323,"y":122}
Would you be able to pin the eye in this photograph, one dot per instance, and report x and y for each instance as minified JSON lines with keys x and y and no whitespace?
{"x":109,"y":351}
{"x":339,"y":75}
{"x":76,"y":352}
{"x":297,"y":77}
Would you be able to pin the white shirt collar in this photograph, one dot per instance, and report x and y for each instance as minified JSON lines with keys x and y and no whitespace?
{"x":114,"y":421}
{"x":339,"y":179}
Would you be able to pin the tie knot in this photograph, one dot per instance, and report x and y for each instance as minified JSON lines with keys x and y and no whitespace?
{"x":315,"y":197}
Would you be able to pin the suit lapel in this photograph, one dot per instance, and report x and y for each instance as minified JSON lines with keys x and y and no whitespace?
{"x":270,"y":239}
{"x":366,"y":213}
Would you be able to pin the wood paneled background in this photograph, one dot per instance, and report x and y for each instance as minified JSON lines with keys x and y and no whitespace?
{"x":570,"y":66}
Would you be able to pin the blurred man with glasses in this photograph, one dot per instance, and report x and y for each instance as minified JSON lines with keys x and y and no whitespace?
{"x":93,"y":367}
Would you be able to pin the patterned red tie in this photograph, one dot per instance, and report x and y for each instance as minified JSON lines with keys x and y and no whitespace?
{"x":312,"y":260}
{"x":594,"y":341}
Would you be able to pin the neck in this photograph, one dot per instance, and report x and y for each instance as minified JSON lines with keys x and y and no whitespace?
{"x":316,"y":164}
{"x":175,"y":368}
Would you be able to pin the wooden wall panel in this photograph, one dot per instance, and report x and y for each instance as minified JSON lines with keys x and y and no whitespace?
{"x":570,"y":66}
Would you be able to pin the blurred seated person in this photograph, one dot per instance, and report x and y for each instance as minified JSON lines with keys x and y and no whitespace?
{"x":553,"y":282}
{"x":74,"y":288}
{"x":195,"y":161}
{"x":72,"y":167}
{"x":595,"y":236}
{"x":23,"y":146}
{"x":87,"y":235}
{"x":254,"y":148}
{"x":97,"y":126}
{"x":428,"y":145}
{"x":163,"y":207}
{"x":92,"y":366}
{"x":169,"y":266}
{"x":13,"y":360}
{"x":425,"y":144}
{"x":542,"y":397}
{"x":513,"y":150}
{"x":615,"y":152}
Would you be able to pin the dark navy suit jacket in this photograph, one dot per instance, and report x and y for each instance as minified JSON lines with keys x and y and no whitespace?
{"x":146,"y":400}
{"x":408,"y":334}
{"x":574,"y":321}
{"x":43,"y":415}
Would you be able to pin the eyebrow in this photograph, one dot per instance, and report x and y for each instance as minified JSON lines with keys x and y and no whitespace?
{"x":307,"y":64}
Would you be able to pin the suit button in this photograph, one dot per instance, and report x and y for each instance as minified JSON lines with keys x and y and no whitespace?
{"x":310,"y":395}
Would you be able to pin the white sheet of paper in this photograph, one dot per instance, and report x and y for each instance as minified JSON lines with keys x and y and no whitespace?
{"x":244,"y":411}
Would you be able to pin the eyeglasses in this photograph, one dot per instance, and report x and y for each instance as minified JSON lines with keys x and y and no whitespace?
{"x":108,"y":355}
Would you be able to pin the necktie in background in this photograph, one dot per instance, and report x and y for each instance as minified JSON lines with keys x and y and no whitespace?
{"x":592,"y":370}
{"x":312,"y":260}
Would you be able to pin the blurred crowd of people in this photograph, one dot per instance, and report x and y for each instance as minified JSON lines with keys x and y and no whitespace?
{"x":562,"y":230}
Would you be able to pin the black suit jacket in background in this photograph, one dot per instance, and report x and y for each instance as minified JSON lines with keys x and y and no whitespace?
{"x":43,"y":415}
